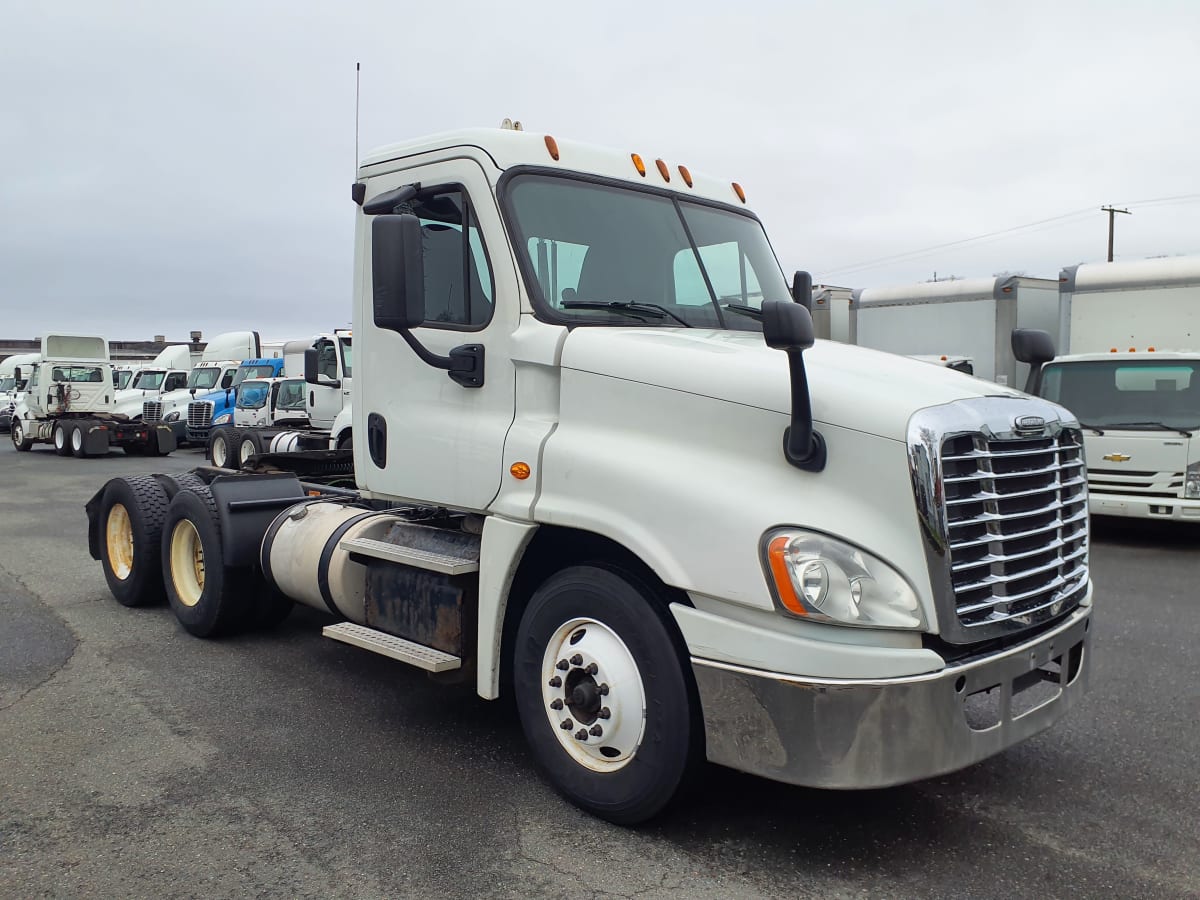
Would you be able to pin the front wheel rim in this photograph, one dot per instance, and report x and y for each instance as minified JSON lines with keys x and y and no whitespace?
{"x":17,"y":435}
{"x":593,"y":695}
{"x":187,"y":563}
{"x":118,"y":539}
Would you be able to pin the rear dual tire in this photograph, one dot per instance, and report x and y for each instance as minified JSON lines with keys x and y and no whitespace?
{"x":131,"y":519}
{"x":61,"y":438}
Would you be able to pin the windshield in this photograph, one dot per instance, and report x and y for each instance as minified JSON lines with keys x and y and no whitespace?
{"x":252,"y":395}
{"x":590,"y":243}
{"x":1139,"y":394}
{"x":149,"y":379}
{"x":291,"y":394}
{"x":255,"y":371}
{"x":204,"y":379}
{"x":7,"y":384}
{"x":347,"y":357}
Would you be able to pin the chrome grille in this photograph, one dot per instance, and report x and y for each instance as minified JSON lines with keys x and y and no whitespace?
{"x":152,"y":411}
{"x":1004,"y":513}
{"x":199,"y":414}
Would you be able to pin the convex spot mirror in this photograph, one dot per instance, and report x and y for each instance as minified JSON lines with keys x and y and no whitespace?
{"x":397,"y":272}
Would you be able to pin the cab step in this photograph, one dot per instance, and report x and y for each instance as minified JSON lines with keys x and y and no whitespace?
{"x":409,"y":556}
{"x":380,"y":642}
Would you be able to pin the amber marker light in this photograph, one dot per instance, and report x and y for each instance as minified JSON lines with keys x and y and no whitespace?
{"x":1149,"y":349}
{"x":783,"y":580}
{"x":1133,"y":349}
{"x":663,"y":170}
{"x":737,"y":189}
{"x":1112,"y":349}
{"x":685,"y":175}
{"x":519,"y":470}
{"x":552,"y":146}
{"x":638,"y":164}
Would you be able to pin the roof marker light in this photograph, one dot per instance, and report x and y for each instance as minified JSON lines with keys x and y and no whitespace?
{"x":552,"y":146}
{"x":1133,"y":349}
{"x":1149,"y":349}
{"x":1112,"y":349}
{"x":685,"y":175}
{"x":737,"y":189}
{"x":663,"y":170}
{"x":638,"y":164}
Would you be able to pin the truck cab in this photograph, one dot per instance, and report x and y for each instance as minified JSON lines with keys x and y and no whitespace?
{"x":328,"y":368}
{"x":216,"y":408}
{"x":271,"y":401}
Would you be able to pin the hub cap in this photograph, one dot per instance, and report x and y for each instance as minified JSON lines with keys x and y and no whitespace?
{"x":593,"y":695}
{"x":187,"y":563}
{"x":118,"y":534}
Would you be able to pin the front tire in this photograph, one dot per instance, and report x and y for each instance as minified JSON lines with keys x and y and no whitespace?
{"x":131,"y":517}
{"x":17,"y":434}
{"x":604,"y":694}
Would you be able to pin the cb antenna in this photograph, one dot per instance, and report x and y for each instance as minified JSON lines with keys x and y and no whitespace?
{"x":358,"y":190}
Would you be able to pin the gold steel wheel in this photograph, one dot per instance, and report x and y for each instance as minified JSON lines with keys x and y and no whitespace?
{"x":187,"y":562}
{"x":118,"y":534}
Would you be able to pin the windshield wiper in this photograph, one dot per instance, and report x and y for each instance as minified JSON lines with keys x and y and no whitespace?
{"x":752,"y":311}
{"x":632,"y":307}
{"x":1094,"y":428}
{"x":1160,"y":425}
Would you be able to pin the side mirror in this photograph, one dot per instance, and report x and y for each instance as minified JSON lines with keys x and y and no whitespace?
{"x":311,"y":365}
{"x":227,"y":380}
{"x":397,"y":272}
{"x":1033,"y":346}
{"x":1036,"y":347}
{"x":802,"y":289}
{"x":789,"y":327}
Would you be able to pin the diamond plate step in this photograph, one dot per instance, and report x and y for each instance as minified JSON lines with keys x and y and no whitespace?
{"x":389,"y":645}
{"x":408,"y":556}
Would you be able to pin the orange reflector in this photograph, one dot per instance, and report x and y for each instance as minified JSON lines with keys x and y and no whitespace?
{"x":1112,"y":350}
{"x":519,"y":470}
{"x":1133,"y":349}
{"x":783,"y":580}
{"x":638,"y":164}
{"x":685,"y":175}
{"x":1149,"y":349}
{"x":552,"y":146}
{"x":944,"y":358}
{"x":737,"y":189}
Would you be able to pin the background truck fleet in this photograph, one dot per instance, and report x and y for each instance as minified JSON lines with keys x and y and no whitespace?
{"x":600,"y":465}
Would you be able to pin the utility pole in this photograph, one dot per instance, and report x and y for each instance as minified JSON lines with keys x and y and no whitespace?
{"x":1112,"y":218}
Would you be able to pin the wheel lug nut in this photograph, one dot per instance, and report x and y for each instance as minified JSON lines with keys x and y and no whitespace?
{"x":596,"y":731}
{"x":562,"y":665}
{"x":592,"y":669}
{"x":566,"y":724}
{"x":556,"y":704}
{"x":581,"y":735}
{"x":603,"y":689}
{"x":577,"y":660}
{"x":555,"y":681}
{"x":605,"y":712}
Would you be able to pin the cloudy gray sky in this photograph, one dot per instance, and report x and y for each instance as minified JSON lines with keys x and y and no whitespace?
{"x":169,"y":166}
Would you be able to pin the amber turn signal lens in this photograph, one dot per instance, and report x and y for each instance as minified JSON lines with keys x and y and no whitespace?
{"x":782,"y":578}
{"x":663,"y":170}
{"x":638,"y":164}
{"x":552,"y":146}
{"x":737,"y":189}
{"x":685,"y":175}
{"x":519,"y":470}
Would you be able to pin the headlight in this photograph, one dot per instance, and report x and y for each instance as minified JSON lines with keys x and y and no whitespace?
{"x":1191,"y":486}
{"x":223,"y":419}
{"x":822,"y":579}
{"x":171,"y":416}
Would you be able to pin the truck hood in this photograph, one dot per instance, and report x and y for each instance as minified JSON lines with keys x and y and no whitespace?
{"x":853,"y":387}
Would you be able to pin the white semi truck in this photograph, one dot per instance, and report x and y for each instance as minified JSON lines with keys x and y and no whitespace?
{"x":601,"y":465}
{"x":965,"y":319}
{"x":1130,"y":335}
{"x":12,"y":388}
{"x":70,"y":403}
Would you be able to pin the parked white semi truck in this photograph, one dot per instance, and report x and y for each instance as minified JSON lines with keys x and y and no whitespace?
{"x":70,"y":403}
{"x":966,"y":319}
{"x":12,"y":388}
{"x":1131,"y":374}
{"x":595,"y":471}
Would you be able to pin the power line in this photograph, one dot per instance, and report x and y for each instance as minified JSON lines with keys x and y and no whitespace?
{"x":924,"y":251}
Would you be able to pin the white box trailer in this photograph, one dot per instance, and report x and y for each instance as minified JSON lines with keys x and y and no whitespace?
{"x":1131,"y":374}
{"x":831,"y":312}
{"x":971,"y":317}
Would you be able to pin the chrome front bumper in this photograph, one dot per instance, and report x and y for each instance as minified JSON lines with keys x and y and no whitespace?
{"x":830,"y":733}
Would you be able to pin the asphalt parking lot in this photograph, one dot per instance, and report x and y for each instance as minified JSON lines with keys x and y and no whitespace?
{"x":138,"y":761}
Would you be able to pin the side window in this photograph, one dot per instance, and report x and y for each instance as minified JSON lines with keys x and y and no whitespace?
{"x":327,"y":360}
{"x":458,"y":279}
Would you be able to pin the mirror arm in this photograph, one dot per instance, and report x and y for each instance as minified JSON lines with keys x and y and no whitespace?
{"x":802,"y":444}
{"x":464,"y":364}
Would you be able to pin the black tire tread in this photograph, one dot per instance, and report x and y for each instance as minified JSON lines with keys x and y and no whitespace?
{"x":151,"y":504}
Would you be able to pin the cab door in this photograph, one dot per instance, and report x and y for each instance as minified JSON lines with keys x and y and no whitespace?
{"x":420,"y":435}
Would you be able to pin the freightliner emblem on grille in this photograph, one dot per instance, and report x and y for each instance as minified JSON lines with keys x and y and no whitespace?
{"x":1118,"y":457}
{"x":1029,"y":423}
